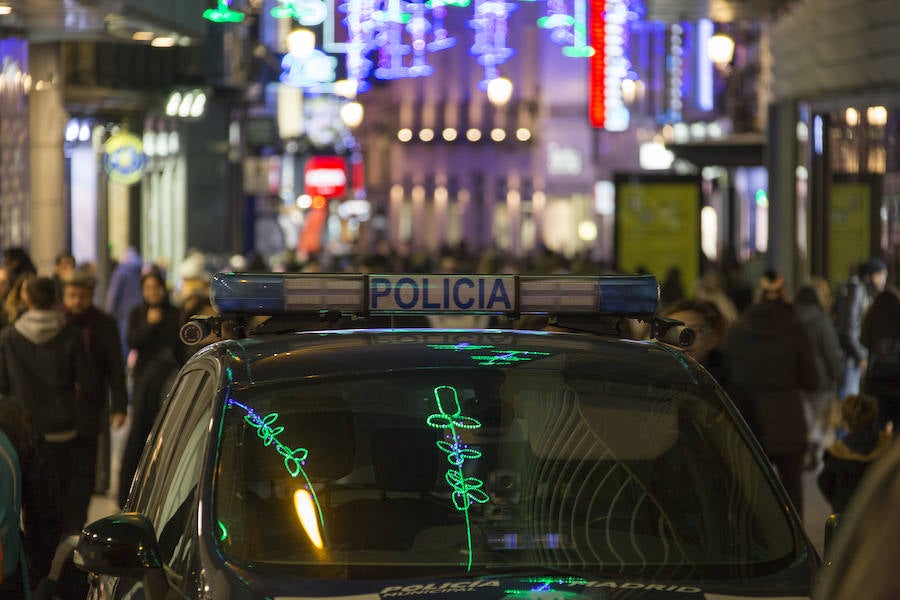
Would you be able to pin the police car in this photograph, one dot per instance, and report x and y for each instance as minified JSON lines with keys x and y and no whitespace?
{"x":329,"y":452}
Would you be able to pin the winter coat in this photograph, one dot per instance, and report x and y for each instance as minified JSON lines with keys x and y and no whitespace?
{"x":43,"y":363}
{"x":124,"y":293}
{"x":825,"y":344}
{"x":769,"y":361}
{"x":850,"y":304}
{"x":845,"y":463}
{"x":101,"y":337}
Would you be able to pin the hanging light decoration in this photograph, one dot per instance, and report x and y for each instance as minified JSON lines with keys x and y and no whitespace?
{"x":360,"y":40}
{"x":578,"y":47}
{"x":442,"y":39}
{"x":418,"y":27}
{"x":306,"y":12}
{"x":389,"y":38}
{"x":490,"y":25}
{"x":222,"y":13}
{"x":404,"y":32}
{"x":559,"y":22}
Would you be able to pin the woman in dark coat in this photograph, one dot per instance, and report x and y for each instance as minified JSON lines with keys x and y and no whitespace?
{"x":153,"y":328}
{"x":769,"y":363}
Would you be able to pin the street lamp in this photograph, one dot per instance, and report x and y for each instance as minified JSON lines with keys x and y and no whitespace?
{"x":499,"y":91}
{"x":352,"y":114}
{"x":720,"y":50}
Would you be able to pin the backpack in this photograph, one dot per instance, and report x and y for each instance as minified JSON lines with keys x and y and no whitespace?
{"x":12,"y":556}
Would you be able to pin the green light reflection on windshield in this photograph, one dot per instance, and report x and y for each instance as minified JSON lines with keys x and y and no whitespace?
{"x":495,"y":357}
{"x":294,"y":460}
{"x":466,"y":490}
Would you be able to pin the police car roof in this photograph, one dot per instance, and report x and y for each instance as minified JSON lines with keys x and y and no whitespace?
{"x":278,"y":358}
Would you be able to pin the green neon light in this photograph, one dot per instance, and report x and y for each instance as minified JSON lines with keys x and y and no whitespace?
{"x":466,"y":490}
{"x":223,"y":13}
{"x":554,"y":21}
{"x":224,"y":531}
{"x":294,"y":460}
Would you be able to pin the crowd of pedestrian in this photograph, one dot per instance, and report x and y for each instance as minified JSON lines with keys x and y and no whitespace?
{"x":71,"y":372}
{"x":818,"y":383}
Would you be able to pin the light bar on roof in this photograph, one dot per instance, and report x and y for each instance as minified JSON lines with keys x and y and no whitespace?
{"x":397,"y":294}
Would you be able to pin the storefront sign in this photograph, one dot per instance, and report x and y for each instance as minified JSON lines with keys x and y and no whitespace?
{"x":325,"y":176}
{"x":124,"y":159}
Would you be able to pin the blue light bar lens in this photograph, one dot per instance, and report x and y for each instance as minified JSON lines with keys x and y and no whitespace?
{"x":253,"y":294}
{"x":629,"y":295}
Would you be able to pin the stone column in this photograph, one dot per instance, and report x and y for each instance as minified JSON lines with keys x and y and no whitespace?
{"x":782,"y":165}
{"x":47,"y":121}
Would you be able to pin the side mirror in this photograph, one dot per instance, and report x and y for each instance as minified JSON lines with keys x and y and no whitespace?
{"x":121,"y":545}
{"x":831,"y":525}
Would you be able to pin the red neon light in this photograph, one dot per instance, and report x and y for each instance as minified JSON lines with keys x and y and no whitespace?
{"x":597,"y":63}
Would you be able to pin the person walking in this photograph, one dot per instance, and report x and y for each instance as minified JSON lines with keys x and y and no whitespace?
{"x":124,"y":291}
{"x":110,"y":402}
{"x":768,"y":363}
{"x":153,"y":332}
{"x":851,"y":303}
{"x":880,"y":334}
{"x":827,"y":349}
{"x":45,"y":369}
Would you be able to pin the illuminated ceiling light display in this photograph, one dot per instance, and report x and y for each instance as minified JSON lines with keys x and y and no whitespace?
{"x":490,"y":25}
{"x":467,"y":490}
{"x":403,"y":32}
{"x":360,"y":40}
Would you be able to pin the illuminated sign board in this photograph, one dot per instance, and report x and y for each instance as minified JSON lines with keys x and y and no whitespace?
{"x":325,"y":176}
{"x":124,"y":159}
{"x":607,"y":23}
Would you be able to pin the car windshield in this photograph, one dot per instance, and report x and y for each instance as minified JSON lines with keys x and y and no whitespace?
{"x":487,"y":469}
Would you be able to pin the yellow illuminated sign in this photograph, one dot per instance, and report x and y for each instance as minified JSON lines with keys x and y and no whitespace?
{"x":658,"y":227}
{"x":850,"y":230}
{"x":124,"y":159}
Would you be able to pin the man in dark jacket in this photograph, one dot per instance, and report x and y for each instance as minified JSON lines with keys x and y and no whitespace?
{"x":101,"y":338}
{"x":851,"y":303}
{"x":43,"y":367}
{"x":768,"y":362}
